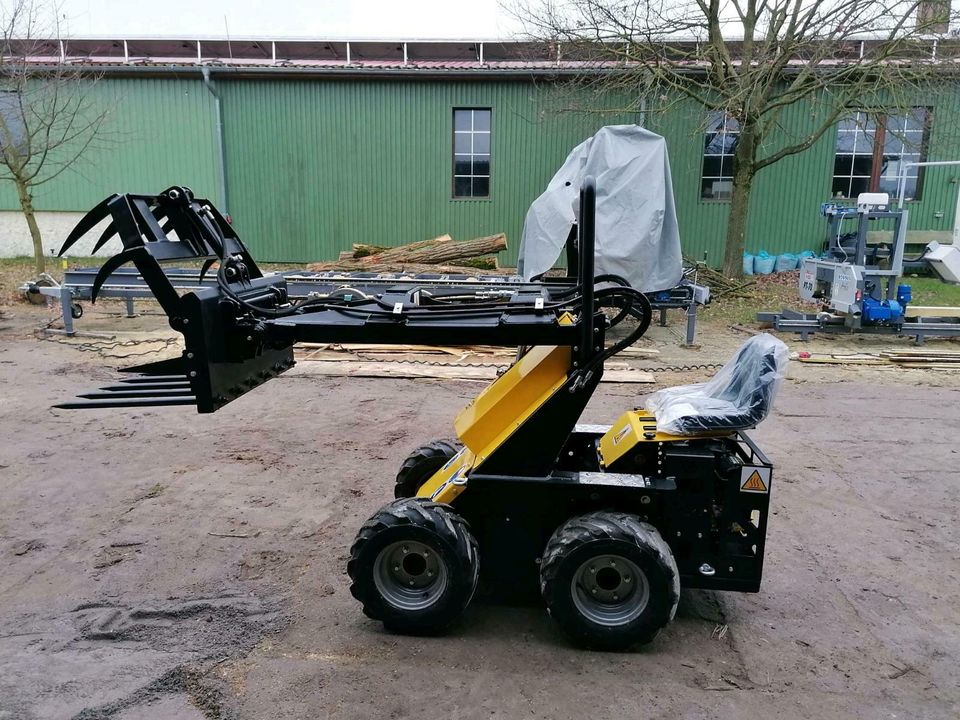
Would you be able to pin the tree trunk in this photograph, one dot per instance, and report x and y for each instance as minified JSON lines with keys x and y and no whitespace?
{"x":740,"y":204}
{"x":737,"y":225}
{"x":26,"y":206}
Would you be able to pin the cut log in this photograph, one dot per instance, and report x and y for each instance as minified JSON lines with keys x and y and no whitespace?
{"x":436,"y":251}
{"x":405,"y":269}
{"x":445,"y":250}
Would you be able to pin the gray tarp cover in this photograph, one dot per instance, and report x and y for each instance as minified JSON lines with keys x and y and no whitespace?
{"x":637,"y":233}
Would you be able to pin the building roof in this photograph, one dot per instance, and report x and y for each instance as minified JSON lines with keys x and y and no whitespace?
{"x":292,"y":56}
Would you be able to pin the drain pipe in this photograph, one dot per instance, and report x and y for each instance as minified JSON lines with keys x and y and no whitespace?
{"x":221,"y":150}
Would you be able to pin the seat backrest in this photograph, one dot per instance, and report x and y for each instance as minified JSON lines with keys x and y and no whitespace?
{"x":751,"y":384}
{"x":739,"y":396}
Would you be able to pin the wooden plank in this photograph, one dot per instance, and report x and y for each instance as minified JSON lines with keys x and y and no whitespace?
{"x":849,"y":359}
{"x":373,"y":369}
{"x":449,"y":350}
{"x":932,"y":311}
{"x":930,"y":366}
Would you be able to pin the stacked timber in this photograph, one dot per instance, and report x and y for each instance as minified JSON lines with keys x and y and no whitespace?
{"x":919,"y":359}
{"x":439,"y":254}
{"x":471,"y":362}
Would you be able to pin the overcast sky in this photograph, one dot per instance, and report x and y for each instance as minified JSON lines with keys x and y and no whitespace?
{"x":408,"y":19}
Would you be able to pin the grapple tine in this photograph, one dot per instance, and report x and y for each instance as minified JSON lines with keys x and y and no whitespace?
{"x":206,"y":266}
{"x":136,"y":393}
{"x":139,"y":387}
{"x":126,"y":403}
{"x":110,"y":231}
{"x":154,"y":380}
{"x":108,"y":267}
{"x":87,"y":223}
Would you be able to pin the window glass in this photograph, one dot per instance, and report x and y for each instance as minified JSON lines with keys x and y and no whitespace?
{"x":471,"y":148}
{"x":873,"y":153}
{"x":719,"y":146}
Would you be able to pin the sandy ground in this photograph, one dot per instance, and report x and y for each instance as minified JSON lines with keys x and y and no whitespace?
{"x":166,"y":565}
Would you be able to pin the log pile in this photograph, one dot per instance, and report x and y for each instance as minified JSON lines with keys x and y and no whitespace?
{"x":440,"y":254}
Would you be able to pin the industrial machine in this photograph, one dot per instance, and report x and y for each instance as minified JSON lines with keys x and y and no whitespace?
{"x":606,"y":524}
{"x":859,"y":286}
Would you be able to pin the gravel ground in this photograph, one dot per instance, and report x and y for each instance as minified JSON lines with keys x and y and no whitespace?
{"x":162,"y":564}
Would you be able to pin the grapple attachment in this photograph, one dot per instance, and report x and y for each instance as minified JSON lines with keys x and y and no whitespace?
{"x":227,"y":352}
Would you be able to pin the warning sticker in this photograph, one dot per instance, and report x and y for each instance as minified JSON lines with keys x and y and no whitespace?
{"x":621,"y":434}
{"x":754,"y":479}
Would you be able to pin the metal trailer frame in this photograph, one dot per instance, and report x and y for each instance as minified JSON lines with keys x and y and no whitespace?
{"x":129,"y":285}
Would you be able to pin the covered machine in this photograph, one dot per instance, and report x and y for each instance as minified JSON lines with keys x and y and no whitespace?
{"x":638,"y":237}
{"x":604,"y":523}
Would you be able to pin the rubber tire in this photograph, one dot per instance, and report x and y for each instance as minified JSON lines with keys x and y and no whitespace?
{"x":600,"y":533}
{"x":421,"y":464}
{"x":428,"y":522}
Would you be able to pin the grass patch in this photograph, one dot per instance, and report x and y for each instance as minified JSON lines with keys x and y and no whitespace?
{"x":930,"y":291}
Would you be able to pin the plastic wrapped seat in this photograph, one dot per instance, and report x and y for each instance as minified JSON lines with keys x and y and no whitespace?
{"x":739,"y":396}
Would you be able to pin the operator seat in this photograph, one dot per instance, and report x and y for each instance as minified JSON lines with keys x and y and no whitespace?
{"x":739,"y":396}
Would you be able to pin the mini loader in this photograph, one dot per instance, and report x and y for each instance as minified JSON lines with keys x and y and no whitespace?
{"x":605,"y":523}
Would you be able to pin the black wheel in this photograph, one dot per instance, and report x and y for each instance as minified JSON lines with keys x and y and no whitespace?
{"x":421,"y":464}
{"x":609,"y":580}
{"x":76,"y":311}
{"x":414,"y":566}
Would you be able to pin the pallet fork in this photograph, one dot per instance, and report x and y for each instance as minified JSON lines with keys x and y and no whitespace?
{"x":605,"y":523}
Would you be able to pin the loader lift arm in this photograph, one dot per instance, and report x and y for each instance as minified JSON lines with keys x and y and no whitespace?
{"x":241,"y":333}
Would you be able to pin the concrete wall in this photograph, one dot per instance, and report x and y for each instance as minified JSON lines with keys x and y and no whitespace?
{"x":54,"y":227}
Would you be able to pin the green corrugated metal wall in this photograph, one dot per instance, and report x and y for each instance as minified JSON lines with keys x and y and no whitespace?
{"x":314,"y":166}
{"x":160,"y":132}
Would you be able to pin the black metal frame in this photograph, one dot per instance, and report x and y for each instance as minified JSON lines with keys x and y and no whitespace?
{"x":692,"y":496}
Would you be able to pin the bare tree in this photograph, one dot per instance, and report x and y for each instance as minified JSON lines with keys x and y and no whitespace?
{"x":47,"y":117}
{"x":751,"y":59}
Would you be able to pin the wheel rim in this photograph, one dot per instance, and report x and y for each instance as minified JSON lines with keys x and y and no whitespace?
{"x":409,"y":575}
{"x":610,"y":590}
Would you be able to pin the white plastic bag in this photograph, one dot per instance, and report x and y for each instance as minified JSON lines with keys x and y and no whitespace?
{"x":739,"y":396}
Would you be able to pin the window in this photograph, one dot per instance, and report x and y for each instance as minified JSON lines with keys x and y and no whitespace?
{"x":13,"y":128}
{"x":719,"y":145}
{"x":471,"y":153}
{"x":872,"y":150}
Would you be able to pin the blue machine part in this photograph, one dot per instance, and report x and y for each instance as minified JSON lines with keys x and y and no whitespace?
{"x":904,"y":295}
{"x":881,"y":312}
{"x":832,"y":208}
{"x":663,"y":296}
